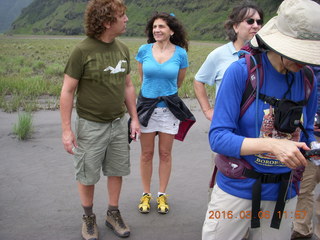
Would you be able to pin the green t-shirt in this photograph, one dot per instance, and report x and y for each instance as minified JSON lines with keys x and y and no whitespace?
{"x":101,"y":69}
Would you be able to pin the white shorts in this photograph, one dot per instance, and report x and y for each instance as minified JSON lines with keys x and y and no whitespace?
{"x":162,"y":120}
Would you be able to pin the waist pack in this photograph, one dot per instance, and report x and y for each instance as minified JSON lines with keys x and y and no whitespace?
{"x":235,"y":168}
{"x":231,"y":167}
{"x":241,"y":169}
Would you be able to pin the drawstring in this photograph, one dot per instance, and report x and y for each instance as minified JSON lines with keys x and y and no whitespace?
{"x":287,"y":80}
{"x":289,"y":83}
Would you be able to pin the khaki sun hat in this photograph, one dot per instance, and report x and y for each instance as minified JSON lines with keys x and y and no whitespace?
{"x":294,"y":32}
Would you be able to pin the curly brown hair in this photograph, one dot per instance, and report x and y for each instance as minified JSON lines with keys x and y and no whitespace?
{"x":180,"y":35}
{"x":99,"y":12}
{"x":238,"y":14}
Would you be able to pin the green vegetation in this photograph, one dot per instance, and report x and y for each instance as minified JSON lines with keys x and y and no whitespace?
{"x":31,"y":69}
{"x":23,"y":128}
{"x":203,"y":19}
{"x":9,"y":11}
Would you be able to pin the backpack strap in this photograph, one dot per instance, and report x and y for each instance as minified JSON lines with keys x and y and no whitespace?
{"x":308,"y":77}
{"x":308,"y":80}
{"x":213,"y":177}
{"x":275,"y":102}
{"x":251,"y":84}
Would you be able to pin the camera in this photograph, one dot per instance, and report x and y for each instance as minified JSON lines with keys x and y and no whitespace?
{"x":312,"y":155}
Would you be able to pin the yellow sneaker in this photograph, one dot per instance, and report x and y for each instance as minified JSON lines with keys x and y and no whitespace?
{"x":163,"y":206}
{"x":144,"y":206}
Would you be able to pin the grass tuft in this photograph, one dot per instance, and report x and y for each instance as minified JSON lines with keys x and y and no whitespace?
{"x":23,"y":128}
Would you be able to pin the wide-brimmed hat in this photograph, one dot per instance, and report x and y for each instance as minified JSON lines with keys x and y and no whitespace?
{"x":294,"y":33}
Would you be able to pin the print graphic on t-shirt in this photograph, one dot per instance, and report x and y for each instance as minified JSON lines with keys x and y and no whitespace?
{"x":268,"y":131}
{"x":117,"y":69}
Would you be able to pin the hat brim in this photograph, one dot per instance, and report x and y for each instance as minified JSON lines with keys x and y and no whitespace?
{"x":298,"y":50}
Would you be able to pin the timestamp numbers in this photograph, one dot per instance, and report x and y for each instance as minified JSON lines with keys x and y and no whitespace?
{"x":298,"y":214}
{"x":261,"y":214}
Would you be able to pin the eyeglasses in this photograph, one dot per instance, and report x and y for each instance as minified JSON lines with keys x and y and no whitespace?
{"x":251,"y":21}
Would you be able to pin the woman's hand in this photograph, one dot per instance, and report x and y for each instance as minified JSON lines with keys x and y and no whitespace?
{"x":288,"y":152}
{"x":208,"y":113}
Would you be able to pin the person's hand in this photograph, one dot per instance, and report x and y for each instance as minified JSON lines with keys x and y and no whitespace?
{"x":134,"y":129}
{"x":288,"y":152}
{"x":69,"y":141}
{"x":208,"y":113}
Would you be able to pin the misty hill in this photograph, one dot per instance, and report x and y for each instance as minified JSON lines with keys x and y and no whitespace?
{"x":203,"y":19}
{"x":9,"y":11}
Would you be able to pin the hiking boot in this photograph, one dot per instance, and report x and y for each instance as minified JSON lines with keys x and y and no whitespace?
{"x":89,"y":227}
{"x":163,"y":206}
{"x":115,"y":222}
{"x":296,"y":235}
{"x":144,"y":206}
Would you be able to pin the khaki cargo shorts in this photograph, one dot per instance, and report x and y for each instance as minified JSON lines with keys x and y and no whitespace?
{"x":101,"y":146}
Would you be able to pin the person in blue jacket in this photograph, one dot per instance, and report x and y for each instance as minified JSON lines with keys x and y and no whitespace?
{"x":235,"y":210}
{"x":162,"y":65}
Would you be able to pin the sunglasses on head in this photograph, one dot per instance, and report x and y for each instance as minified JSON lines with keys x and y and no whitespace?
{"x":251,"y":21}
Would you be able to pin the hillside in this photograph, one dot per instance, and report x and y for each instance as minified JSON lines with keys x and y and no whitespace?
{"x":9,"y":11}
{"x":203,"y":19}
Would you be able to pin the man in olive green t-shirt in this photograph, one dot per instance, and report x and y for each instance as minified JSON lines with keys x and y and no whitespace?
{"x":98,"y":73}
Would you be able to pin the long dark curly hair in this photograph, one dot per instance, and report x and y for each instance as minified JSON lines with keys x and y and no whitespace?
{"x":180,"y":35}
{"x":238,"y":14}
{"x":99,"y":12}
